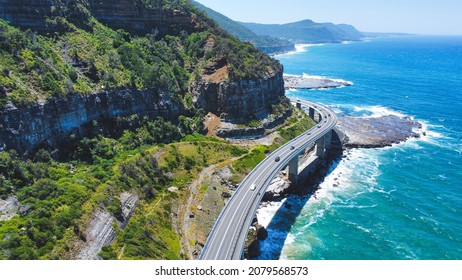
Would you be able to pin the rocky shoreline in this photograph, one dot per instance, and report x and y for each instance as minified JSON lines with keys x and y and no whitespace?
{"x":312,"y":82}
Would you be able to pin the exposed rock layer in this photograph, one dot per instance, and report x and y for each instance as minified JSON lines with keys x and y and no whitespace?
{"x":267,"y":125}
{"x":121,"y":14}
{"x":239,"y":100}
{"x":125,"y":14}
{"x":27,"y":14}
{"x":98,"y":234}
{"x":56,"y":119}
{"x":9,"y":208}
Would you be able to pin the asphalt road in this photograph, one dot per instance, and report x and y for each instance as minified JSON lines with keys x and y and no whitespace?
{"x":228,"y":236}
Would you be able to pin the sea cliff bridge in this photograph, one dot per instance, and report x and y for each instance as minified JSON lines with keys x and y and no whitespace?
{"x":228,"y":236}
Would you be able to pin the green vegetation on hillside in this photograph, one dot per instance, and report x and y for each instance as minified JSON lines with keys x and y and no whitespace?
{"x":60,"y":190}
{"x":58,"y":198}
{"x":88,"y":56}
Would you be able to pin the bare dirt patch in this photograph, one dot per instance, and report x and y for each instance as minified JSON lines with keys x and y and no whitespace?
{"x":218,"y":76}
{"x":212,"y":123}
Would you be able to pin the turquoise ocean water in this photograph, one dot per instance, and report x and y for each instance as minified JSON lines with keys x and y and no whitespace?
{"x":401,"y":202}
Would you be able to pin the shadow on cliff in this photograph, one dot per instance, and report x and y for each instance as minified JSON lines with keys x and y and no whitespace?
{"x":283,"y":220}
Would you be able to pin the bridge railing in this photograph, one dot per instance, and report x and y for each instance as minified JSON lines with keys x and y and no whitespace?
{"x":268,"y":180}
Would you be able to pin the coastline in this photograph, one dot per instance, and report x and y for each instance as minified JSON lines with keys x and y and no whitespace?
{"x":397,"y":202}
{"x":282,"y":207}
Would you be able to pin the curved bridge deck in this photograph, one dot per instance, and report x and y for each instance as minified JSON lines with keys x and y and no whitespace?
{"x":228,"y":236}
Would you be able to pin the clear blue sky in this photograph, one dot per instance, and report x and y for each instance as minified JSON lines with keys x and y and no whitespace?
{"x":411,"y":16}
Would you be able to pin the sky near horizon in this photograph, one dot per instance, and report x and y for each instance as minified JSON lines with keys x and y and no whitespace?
{"x":437,"y":17}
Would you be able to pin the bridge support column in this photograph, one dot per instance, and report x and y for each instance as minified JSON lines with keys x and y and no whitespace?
{"x":293,"y":170}
{"x":321,"y":147}
{"x":328,"y":139}
{"x":311,"y":113}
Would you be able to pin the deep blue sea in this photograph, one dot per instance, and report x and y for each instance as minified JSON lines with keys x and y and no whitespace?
{"x":401,"y":202}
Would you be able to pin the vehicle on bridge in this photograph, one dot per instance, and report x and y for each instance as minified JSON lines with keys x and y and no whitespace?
{"x":228,"y":236}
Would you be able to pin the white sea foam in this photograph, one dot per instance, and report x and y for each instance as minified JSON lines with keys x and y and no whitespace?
{"x":427,"y":131}
{"x":351,"y":177}
{"x":291,"y":91}
{"x":430,"y":130}
{"x":377,"y":111}
{"x":299,"y":48}
{"x":265,"y":214}
{"x":354,"y":176}
{"x":336,"y":110}
{"x":430,"y":135}
{"x":306,"y":75}
{"x":340,"y":187}
{"x":361,"y":228}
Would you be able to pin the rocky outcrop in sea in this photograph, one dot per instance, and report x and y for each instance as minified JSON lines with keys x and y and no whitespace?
{"x":312,"y":82}
{"x":377,"y":132}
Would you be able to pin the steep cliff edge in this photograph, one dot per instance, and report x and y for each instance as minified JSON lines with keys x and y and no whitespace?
{"x":53,"y":122}
{"x":75,"y":68}
{"x":130,"y":15}
{"x":239,"y":100}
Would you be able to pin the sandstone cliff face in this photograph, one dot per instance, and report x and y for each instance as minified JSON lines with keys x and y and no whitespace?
{"x":121,"y":14}
{"x":27,"y":14}
{"x":125,"y":14}
{"x":239,"y":101}
{"x":55,"y":120}
{"x":52,"y":122}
